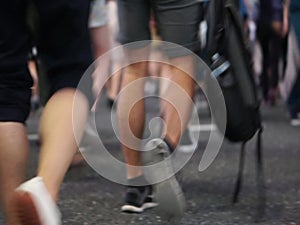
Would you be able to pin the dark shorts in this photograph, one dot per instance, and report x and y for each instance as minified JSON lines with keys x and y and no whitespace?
{"x":177,"y":22}
{"x":63,"y":44}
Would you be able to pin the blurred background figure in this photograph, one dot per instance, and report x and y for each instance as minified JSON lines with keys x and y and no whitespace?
{"x":103,"y":24}
{"x":293,"y":100}
{"x":272,"y":28}
{"x":114,"y":83}
{"x":101,"y":41}
{"x":32,"y":66}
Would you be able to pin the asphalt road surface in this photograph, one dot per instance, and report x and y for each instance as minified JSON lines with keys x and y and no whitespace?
{"x":87,"y":198}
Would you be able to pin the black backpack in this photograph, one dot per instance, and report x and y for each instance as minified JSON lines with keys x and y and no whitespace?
{"x":231,"y":63}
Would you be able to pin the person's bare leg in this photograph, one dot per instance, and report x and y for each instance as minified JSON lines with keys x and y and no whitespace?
{"x":58,"y":128}
{"x":100,"y":37}
{"x":181,"y":113}
{"x":136,"y":114}
{"x":34,"y":75}
{"x":170,"y":114}
{"x":115,"y":82}
{"x":14,"y":149}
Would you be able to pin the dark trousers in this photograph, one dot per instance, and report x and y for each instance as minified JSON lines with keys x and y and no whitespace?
{"x":294,"y":97}
{"x":272,"y":49}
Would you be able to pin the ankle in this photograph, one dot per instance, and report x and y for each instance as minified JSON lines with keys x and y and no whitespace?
{"x":139,"y":181}
{"x":171,"y":145}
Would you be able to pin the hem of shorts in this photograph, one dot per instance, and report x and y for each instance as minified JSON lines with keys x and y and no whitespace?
{"x":191,"y":47}
{"x":96,"y":25}
{"x":187,"y":49}
{"x":124,"y":41}
{"x":14,"y":118}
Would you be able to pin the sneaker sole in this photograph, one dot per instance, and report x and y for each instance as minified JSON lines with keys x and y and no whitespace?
{"x":131,"y":209}
{"x":171,"y":198}
{"x":169,"y":195}
{"x":149,"y":205}
{"x":25,"y":209}
{"x":134,"y":209}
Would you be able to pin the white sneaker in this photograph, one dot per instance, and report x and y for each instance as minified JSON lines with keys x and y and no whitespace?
{"x":295,"y":122}
{"x":34,"y":205}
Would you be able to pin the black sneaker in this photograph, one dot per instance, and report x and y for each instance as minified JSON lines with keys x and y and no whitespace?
{"x":149,"y":200}
{"x":138,"y":199}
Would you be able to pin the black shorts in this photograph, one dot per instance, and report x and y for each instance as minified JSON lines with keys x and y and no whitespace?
{"x":63,"y":44}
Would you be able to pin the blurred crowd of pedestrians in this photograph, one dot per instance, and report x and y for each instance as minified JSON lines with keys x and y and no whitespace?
{"x":68,"y":35}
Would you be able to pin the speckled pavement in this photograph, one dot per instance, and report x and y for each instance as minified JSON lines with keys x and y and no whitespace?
{"x":89,"y":199}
